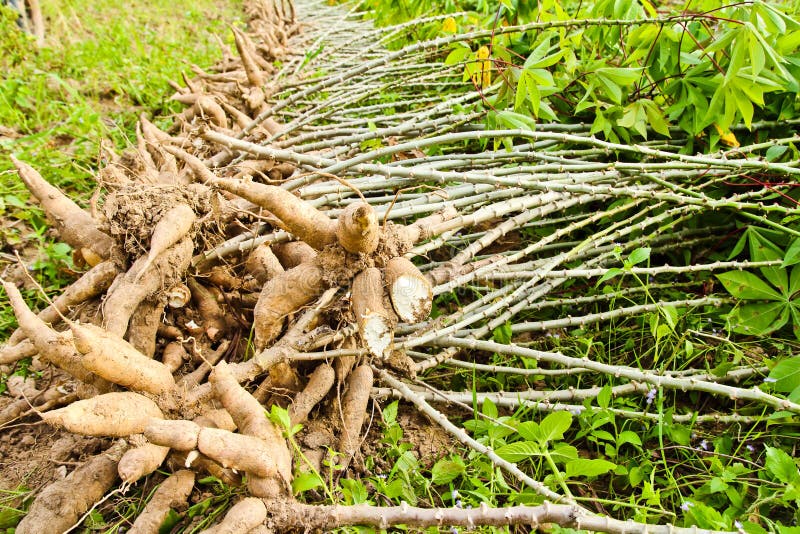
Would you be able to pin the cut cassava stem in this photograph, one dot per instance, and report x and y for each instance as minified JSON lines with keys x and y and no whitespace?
{"x":409,"y":290}
{"x":116,"y":414}
{"x":117,"y":361}
{"x":375,"y":325}
{"x":172,"y":493}
{"x":76,"y":227}
{"x":298,"y":217}
{"x":59,"y":505}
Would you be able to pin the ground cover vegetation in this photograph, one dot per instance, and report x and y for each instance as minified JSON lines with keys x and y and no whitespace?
{"x":486,"y":266}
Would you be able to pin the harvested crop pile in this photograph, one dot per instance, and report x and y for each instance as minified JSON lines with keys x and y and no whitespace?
{"x":262,"y":255}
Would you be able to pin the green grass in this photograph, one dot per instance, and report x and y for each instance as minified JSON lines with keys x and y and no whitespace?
{"x":102,"y":64}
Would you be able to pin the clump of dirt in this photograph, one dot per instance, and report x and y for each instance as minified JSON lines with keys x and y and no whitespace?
{"x":34,"y":455}
{"x":132,"y":211}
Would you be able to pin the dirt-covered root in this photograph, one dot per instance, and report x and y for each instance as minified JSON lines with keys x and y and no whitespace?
{"x":115,"y":414}
{"x":297,"y":216}
{"x":293,"y":253}
{"x":212,"y":317}
{"x":141,"y":460}
{"x":375,"y":323}
{"x":248,"y":414}
{"x":171,"y":228}
{"x":241,"y":452}
{"x":411,"y":293}
{"x":117,"y":361}
{"x":319,"y":384}
{"x":283,"y":295}
{"x":92,"y":283}
{"x":357,"y":229}
{"x":143,"y":326}
{"x":131,"y":289}
{"x":172,"y":493}
{"x":243,"y":516}
{"x":76,"y":227}
{"x":54,"y":347}
{"x":354,"y":409}
{"x":262,"y":264}
{"x":58,"y":506}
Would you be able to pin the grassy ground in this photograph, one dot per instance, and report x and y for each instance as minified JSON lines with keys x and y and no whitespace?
{"x":102,"y":64}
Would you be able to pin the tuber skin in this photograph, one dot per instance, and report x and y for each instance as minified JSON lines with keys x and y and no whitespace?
{"x":375,"y":325}
{"x":74,"y":225}
{"x":281,"y":296}
{"x":354,"y":408}
{"x":237,"y":451}
{"x":174,"y":355}
{"x":58,"y":506}
{"x":116,"y":414}
{"x":143,"y":327}
{"x":131,"y":289}
{"x":357,"y":229}
{"x":293,"y":253}
{"x":411,"y":293}
{"x":249,"y":416}
{"x":92,"y":283}
{"x":254,"y":75}
{"x":211,"y":315}
{"x":243,"y":516}
{"x":117,"y":361}
{"x":172,"y":493}
{"x":141,"y":461}
{"x":319,"y":384}
{"x":298,"y":217}
{"x":57,"y":348}
{"x":262,"y":264}
{"x":171,"y":228}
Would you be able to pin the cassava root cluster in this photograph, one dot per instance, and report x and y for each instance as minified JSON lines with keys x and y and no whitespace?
{"x":180,"y":357}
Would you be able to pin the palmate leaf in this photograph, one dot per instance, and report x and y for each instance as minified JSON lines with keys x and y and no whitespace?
{"x":758,"y":319}
{"x":747,"y":286}
{"x":786,"y":375}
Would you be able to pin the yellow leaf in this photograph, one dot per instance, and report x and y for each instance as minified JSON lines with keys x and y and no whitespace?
{"x":449,"y":25}
{"x":483,"y":76}
{"x":727,"y":138}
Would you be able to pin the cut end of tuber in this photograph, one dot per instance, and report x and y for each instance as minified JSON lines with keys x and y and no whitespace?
{"x":410,"y":291}
{"x":376,"y":331}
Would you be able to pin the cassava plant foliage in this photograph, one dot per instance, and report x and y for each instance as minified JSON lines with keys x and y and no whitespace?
{"x":565,"y":235}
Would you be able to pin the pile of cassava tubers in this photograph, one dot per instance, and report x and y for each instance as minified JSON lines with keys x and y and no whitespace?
{"x":156,"y":338}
